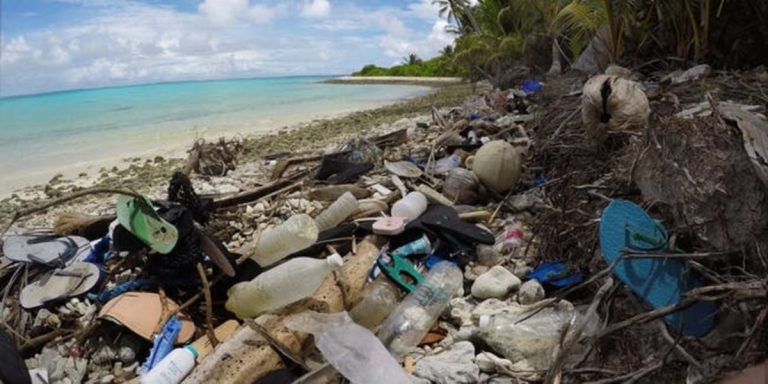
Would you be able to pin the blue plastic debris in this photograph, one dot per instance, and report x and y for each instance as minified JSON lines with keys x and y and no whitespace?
{"x":556,"y":274}
{"x":163,"y":343}
{"x":532,"y":86}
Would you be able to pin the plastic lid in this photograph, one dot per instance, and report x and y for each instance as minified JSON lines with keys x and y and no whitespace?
{"x":191,"y":349}
{"x":335,"y":261}
{"x":485,"y":320}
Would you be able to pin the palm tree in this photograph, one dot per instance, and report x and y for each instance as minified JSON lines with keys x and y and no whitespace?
{"x":458,"y":11}
{"x":411,"y":59}
{"x":447,"y":51}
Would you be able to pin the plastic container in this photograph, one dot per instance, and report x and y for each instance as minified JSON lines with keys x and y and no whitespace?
{"x":353,"y":350}
{"x":446,"y":164}
{"x":379,"y":300}
{"x":297,"y":233}
{"x":173,"y":368}
{"x":287,"y":283}
{"x":411,"y":206}
{"x":413,"y":318}
{"x":510,"y":240}
{"x":342,"y":208}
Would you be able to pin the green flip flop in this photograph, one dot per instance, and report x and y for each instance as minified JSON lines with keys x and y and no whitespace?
{"x":139,"y":218}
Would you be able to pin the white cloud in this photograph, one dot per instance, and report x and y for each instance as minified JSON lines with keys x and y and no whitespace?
{"x":127,"y":42}
{"x":223,"y":13}
{"x":315,"y":8}
{"x":424,"y":9}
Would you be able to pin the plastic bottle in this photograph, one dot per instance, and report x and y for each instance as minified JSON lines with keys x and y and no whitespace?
{"x":446,"y":164}
{"x":412,"y":319}
{"x":297,"y":233}
{"x":287,"y":283}
{"x":411,"y":206}
{"x":353,"y":350}
{"x":342,"y":208}
{"x":379,"y":300}
{"x":511,"y":239}
{"x":173,"y":368}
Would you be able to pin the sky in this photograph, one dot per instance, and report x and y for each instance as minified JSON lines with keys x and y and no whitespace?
{"x":52,"y":45}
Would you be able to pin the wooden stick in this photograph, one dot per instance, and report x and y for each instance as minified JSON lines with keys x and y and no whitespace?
{"x":208,"y":306}
{"x":60,"y":200}
{"x":752,"y":334}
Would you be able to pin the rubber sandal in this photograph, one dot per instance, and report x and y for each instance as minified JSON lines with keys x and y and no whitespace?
{"x":443,"y":220}
{"x":74,"y":280}
{"x":138,"y":217}
{"x":141,"y":313}
{"x":48,"y":250}
{"x":661,"y":282}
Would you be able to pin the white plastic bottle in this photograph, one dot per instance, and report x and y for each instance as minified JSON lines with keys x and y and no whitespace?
{"x":411,"y":206}
{"x":297,"y":233}
{"x":173,"y":368}
{"x":342,"y":208}
{"x":412,"y":319}
{"x":287,"y":283}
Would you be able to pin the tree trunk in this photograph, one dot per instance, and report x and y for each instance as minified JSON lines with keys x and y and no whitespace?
{"x":557,"y":67}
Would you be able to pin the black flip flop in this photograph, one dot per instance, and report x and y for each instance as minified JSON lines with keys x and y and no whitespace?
{"x":442,"y":219}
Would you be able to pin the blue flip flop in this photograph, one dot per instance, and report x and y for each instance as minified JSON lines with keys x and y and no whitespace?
{"x":661,"y":282}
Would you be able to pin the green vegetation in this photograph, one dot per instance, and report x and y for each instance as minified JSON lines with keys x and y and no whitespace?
{"x":412,"y":66}
{"x":551,"y":35}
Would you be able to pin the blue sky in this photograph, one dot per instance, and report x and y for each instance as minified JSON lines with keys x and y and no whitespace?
{"x":50,"y":45}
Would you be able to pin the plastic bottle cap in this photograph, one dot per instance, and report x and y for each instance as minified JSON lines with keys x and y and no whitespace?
{"x":192,"y":349}
{"x":485,"y":320}
{"x":335,"y":261}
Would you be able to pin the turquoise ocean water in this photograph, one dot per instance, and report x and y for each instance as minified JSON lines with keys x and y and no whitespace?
{"x":68,"y":132}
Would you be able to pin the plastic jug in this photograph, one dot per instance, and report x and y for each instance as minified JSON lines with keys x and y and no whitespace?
{"x":297,"y":233}
{"x":411,"y":206}
{"x":413,"y":318}
{"x":342,"y":208}
{"x":287,"y":283}
{"x":353,"y":350}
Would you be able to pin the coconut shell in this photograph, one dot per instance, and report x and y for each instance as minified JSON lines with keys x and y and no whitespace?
{"x":497,"y":164}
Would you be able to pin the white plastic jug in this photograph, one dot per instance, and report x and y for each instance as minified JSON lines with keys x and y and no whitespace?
{"x":297,"y":233}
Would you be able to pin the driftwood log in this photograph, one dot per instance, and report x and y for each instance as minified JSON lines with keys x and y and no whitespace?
{"x":248,"y":356}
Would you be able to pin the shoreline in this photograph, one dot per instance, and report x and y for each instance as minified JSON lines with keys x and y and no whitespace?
{"x":174,"y":145}
{"x":144,"y":174}
{"x":396,"y":80}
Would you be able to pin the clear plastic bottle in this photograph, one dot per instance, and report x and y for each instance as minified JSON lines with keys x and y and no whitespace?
{"x":287,"y":283}
{"x":379,"y":300}
{"x":353,"y":350}
{"x":411,"y":206}
{"x":297,"y":233}
{"x":446,"y":164}
{"x":173,"y":368}
{"x":412,"y":319}
{"x":342,"y":208}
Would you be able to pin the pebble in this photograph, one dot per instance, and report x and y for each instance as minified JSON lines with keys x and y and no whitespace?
{"x":530,"y":292}
{"x":107,"y":379}
{"x":497,"y":282}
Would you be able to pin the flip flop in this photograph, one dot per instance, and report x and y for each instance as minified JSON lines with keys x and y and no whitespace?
{"x":138,"y":217}
{"x":444,"y":221}
{"x":50,"y":250}
{"x":74,"y":280}
{"x":661,"y":282}
{"x":141,"y":312}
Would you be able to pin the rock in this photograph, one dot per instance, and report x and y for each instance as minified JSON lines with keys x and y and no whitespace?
{"x":692,"y":74}
{"x":498,"y":282}
{"x":107,"y":379}
{"x":530,"y":292}
{"x":46,"y":318}
{"x":490,"y":363}
{"x":488,"y":255}
{"x":472,"y":272}
{"x":460,"y":310}
{"x":454,"y":365}
{"x":618,"y":70}
{"x":418,"y":380}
